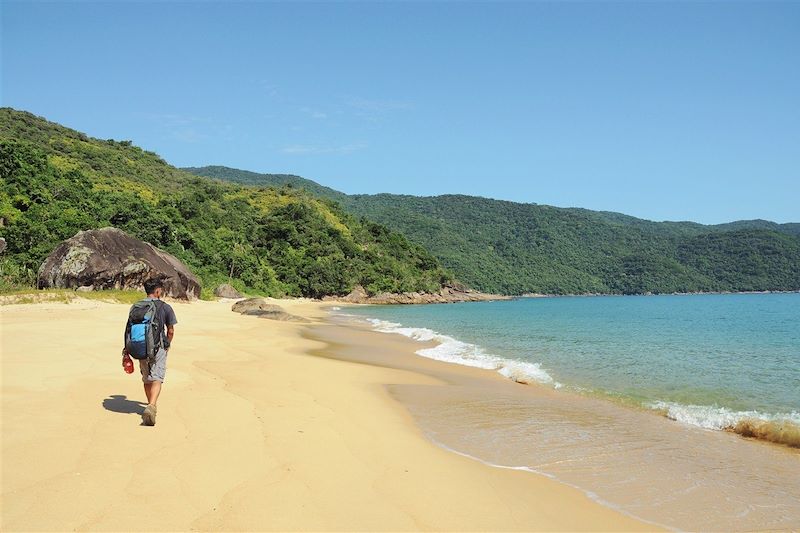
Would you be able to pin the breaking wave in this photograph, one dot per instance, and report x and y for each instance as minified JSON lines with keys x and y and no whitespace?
{"x":781,"y":428}
{"x":452,"y":350}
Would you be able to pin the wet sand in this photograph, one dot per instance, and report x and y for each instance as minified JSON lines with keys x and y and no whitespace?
{"x":633,"y":460}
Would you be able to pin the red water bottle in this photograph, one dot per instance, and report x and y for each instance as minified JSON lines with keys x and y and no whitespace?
{"x":127,"y":364}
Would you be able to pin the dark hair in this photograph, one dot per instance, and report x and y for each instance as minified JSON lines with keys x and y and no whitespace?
{"x":151,"y":285}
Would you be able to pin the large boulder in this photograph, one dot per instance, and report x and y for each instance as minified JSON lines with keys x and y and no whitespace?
{"x":109,"y":258}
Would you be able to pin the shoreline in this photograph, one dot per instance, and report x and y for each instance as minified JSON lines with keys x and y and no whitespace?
{"x":254,"y":433}
{"x":403,"y":357}
{"x":436,"y":412}
{"x":398,"y":353}
{"x":778,"y":428}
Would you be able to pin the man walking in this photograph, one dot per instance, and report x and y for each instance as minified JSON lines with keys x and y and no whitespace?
{"x":155,"y":368}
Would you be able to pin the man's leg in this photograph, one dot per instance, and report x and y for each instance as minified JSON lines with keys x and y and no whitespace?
{"x":151,"y":391}
{"x":153,"y":376}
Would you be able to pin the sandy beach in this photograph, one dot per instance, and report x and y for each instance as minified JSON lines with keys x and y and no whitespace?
{"x":256,"y":430}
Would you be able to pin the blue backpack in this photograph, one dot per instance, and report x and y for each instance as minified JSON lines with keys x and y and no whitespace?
{"x":143,"y":332}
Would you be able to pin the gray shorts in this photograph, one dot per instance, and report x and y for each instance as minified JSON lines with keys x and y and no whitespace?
{"x":157,"y":371}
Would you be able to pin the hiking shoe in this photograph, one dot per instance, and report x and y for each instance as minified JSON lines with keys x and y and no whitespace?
{"x":149,"y":415}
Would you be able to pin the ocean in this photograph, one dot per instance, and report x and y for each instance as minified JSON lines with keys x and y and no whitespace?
{"x":646,"y":395}
{"x":708,"y":360}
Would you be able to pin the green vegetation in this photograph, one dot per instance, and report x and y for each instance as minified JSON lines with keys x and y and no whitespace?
{"x":55,"y":182}
{"x":513,"y":248}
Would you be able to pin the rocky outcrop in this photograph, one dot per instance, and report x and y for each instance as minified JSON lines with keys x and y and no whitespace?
{"x":227,"y":291}
{"x":109,"y":258}
{"x":263,"y":309}
{"x":447,"y":294}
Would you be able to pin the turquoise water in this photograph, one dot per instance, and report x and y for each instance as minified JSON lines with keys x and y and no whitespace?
{"x":708,"y":362}
{"x":705,"y":360}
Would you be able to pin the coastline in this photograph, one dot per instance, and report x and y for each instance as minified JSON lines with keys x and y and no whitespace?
{"x":651,"y":465}
{"x":254,"y":433}
{"x":781,"y":428}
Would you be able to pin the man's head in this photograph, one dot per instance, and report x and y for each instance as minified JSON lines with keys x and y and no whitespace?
{"x":154,"y":287}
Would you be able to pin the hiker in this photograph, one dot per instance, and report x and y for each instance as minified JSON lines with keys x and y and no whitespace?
{"x":147,"y":340}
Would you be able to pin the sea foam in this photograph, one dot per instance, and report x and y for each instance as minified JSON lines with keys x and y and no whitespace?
{"x":452,"y":350}
{"x":781,"y":428}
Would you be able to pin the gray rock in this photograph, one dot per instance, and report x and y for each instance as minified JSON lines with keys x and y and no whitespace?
{"x":263,"y":309}
{"x":250,"y":304}
{"x":276,"y":315}
{"x":227,"y":291}
{"x":2,"y":245}
{"x":109,"y":258}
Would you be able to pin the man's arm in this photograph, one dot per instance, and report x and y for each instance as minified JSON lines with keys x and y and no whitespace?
{"x":169,"y":322}
{"x":125,"y":338}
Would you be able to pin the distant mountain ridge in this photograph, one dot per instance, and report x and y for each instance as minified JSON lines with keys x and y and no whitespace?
{"x":515,"y":248}
{"x":246,"y":177}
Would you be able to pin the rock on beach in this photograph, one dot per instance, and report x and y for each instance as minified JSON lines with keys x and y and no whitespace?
{"x":109,"y":258}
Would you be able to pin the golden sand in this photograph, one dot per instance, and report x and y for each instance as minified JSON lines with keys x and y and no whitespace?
{"x":253,"y":433}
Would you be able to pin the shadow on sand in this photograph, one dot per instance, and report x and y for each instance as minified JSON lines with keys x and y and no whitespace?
{"x":120,"y":403}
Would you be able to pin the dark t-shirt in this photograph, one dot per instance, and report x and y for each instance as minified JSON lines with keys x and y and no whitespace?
{"x":166,"y":316}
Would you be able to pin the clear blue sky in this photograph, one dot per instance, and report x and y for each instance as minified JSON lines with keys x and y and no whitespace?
{"x":666,"y":111}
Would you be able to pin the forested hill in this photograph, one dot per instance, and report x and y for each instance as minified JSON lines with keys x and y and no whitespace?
{"x":515,"y":248}
{"x":55,"y":181}
{"x":245,"y":177}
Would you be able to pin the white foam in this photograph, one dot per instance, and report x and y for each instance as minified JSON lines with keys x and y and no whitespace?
{"x":523,"y":372}
{"x":452,"y":350}
{"x":713,"y":417}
